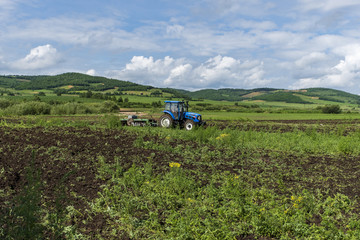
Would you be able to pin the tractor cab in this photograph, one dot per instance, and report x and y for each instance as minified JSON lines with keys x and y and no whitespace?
{"x":176,"y":113}
{"x":176,"y":109}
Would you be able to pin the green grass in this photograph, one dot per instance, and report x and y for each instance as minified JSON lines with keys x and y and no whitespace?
{"x":53,"y":97}
{"x":296,"y":141}
{"x":134,"y":96}
{"x":277,"y":116}
{"x":175,"y":206}
{"x":143,"y":99}
{"x":271,"y":110}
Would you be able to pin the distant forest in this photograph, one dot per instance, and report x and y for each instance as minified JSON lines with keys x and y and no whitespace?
{"x":78,"y":81}
{"x":83,"y":82}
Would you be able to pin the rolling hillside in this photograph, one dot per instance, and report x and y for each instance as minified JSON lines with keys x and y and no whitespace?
{"x":75,"y":82}
{"x":303,"y":96}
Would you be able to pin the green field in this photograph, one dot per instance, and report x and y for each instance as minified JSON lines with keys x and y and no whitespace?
{"x":277,"y":116}
{"x":87,"y":177}
{"x":82,"y":88}
{"x":222,"y":110}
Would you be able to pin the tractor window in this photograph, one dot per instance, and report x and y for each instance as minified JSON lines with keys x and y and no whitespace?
{"x":183,"y":107}
{"x":168,"y":106}
{"x":174,"y":107}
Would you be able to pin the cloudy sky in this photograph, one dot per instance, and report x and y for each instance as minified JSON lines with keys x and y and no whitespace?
{"x":187,"y":44}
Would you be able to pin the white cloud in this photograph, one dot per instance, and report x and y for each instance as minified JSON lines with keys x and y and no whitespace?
{"x":9,"y":5}
{"x":61,"y":29}
{"x":40,"y":57}
{"x":310,"y":59}
{"x":189,"y":38}
{"x":178,"y":74}
{"x":8,"y":10}
{"x":6,"y":6}
{"x":281,"y":38}
{"x":201,"y":40}
{"x":328,"y":41}
{"x":91,"y":72}
{"x":345,"y":74}
{"x":216,"y":8}
{"x":327,"y":5}
{"x":216,"y":72}
{"x":229,"y":72}
{"x":145,"y":70}
{"x":174,"y":31}
{"x":197,"y":39}
{"x":101,"y":33}
{"x":253,"y":25}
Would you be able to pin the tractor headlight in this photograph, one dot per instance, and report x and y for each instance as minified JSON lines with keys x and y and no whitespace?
{"x":199,"y":118}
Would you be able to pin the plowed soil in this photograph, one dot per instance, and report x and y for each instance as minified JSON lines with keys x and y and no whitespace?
{"x":68,"y":157}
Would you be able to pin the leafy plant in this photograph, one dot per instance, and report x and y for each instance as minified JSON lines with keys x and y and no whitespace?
{"x":335,"y":109}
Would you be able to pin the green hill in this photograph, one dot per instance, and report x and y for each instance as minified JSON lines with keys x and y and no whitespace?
{"x":77,"y":82}
{"x":281,"y":96}
{"x":332,"y":95}
{"x":219,"y":95}
{"x":226,"y":94}
{"x":304,"y":96}
{"x":74,"y":82}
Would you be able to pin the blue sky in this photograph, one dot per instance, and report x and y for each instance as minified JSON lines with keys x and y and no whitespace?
{"x":187,"y":44}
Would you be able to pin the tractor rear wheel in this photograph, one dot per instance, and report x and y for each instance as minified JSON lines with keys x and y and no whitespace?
{"x":189,"y":125}
{"x":166,"y":121}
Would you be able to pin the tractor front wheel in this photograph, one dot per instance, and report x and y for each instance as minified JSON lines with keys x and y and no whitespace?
{"x":189,"y":125}
{"x":166,"y":121}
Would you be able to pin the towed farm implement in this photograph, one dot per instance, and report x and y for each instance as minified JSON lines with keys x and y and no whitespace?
{"x":134,"y":121}
{"x":175,"y":114}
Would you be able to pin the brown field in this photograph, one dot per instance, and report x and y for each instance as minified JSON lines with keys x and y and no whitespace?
{"x":69,"y":157}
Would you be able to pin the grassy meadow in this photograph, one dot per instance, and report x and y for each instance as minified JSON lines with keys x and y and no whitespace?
{"x":258,"y":170}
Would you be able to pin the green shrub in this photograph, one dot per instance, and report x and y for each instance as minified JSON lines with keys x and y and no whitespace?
{"x":4,"y":103}
{"x":109,"y":106}
{"x":29,"y":108}
{"x":331,"y":109}
{"x":113,"y":121}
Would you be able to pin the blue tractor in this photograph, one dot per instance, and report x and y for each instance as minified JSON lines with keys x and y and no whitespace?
{"x":176,"y":113}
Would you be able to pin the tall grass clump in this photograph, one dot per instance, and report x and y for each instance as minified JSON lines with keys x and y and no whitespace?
{"x":108,"y":107}
{"x":113,"y":121}
{"x":4,"y":103}
{"x":43,"y":108}
{"x":71,"y":108}
{"x":29,"y":108}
